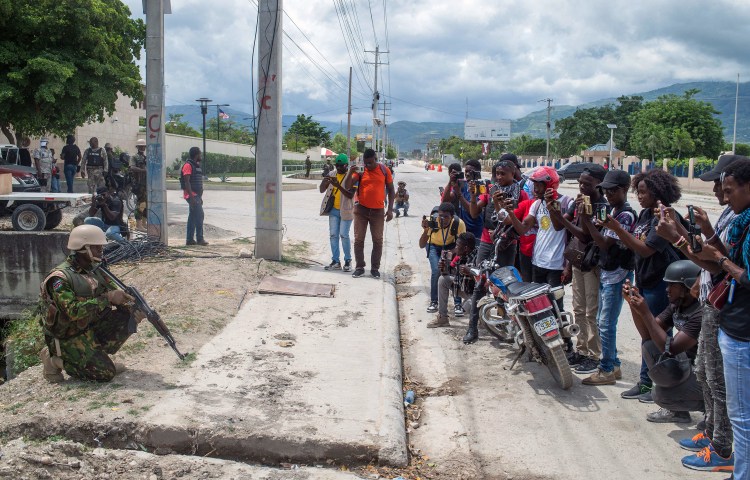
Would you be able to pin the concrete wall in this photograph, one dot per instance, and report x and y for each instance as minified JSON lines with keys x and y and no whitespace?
{"x":25,"y":259}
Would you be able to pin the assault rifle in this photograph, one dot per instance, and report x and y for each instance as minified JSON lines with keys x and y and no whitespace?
{"x":140,"y":304}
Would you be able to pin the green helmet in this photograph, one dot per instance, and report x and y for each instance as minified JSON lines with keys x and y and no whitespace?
{"x":342,"y":159}
{"x":682,"y":271}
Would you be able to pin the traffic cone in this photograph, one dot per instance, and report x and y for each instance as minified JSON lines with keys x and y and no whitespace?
{"x":440,"y":168}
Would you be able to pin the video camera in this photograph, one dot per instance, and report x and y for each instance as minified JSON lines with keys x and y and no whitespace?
{"x":433,"y":222}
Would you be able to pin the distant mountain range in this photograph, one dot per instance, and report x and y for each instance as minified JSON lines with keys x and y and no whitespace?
{"x":412,"y":135}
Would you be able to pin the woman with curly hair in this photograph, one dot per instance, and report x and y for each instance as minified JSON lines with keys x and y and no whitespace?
{"x":653,"y":254}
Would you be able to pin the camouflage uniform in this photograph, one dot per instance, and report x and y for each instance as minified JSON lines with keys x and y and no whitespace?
{"x":81,"y":326}
{"x":139,"y":185}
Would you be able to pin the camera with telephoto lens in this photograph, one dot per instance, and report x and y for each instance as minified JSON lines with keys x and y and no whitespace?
{"x":694,"y":231}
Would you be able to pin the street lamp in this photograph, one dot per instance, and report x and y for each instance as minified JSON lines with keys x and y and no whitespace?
{"x":218,"y":119}
{"x":204,"y":110}
{"x":611,"y":127}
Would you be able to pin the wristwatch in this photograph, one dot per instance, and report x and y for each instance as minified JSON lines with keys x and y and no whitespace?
{"x":722,"y":260}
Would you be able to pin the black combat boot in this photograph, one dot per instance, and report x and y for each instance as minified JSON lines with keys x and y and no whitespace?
{"x":472,"y":335}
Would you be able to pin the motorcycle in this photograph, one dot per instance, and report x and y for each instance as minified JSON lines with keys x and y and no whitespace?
{"x":527,"y":315}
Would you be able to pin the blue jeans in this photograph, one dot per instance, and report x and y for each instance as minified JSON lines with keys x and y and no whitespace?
{"x":736,"y":356}
{"x":338,"y":228}
{"x":610,"y":305}
{"x":54,"y":185}
{"x":657,"y":301}
{"x":112,"y":232}
{"x":195,"y":220}
{"x":433,"y":254}
{"x":70,"y":173}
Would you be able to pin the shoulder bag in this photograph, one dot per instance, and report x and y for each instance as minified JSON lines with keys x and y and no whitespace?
{"x":670,"y":370}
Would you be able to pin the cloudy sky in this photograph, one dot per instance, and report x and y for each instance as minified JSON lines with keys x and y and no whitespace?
{"x":503,"y":55}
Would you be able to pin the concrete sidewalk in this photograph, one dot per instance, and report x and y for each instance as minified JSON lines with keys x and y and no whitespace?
{"x":334,"y":393}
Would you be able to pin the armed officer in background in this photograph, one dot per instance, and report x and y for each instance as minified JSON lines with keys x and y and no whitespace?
{"x":86,"y":316}
{"x":137,"y":169}
{"x":95,"y":163}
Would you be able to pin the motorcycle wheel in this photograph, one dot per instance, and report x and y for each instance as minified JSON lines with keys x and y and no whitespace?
{"x":557,"y":363}
{"x":486,"y":313}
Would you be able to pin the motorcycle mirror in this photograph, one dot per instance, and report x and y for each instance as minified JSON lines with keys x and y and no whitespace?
{"x":558,"y":292}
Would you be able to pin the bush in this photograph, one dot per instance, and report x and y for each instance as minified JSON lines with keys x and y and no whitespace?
{"x":680,"y":167}
{"x":24,"y":340}
{"x":218,"y":163}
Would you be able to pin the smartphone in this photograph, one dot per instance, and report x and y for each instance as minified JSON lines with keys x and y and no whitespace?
{"x":601,"y":213}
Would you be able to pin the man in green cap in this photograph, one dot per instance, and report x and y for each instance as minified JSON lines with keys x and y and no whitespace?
{"x":341,"y":214}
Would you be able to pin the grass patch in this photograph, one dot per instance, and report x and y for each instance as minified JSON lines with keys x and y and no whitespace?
{"x":24,"y":340}
{"x":14,"y":408}
{"x":294,"y":254}
{"x":97,"y":404}
{"x":133,"y":347}
{"x":243,"y":240}
{"x":187,"y":361}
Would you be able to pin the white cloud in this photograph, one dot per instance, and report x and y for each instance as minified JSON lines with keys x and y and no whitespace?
{"x":504,"y":56}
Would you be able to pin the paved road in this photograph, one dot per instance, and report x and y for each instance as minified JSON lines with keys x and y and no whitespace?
{"x":502,"y":424}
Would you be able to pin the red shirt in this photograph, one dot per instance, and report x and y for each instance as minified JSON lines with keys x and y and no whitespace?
{"x":371,"y":191}
{"x":187,"y":169}
{"x":486,"y":238}
{"x":526,"y":242}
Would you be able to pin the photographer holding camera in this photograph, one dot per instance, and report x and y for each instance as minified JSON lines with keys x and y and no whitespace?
{"x":463,"y":191}
{"x":110,"y":205}
{"x":439,"y":232}
{"x":456,"y":277}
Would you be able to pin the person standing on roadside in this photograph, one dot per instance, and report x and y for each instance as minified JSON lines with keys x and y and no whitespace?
{"x":308,"y":166}
{"x":191,"y":180}
{"x":402,"y":199}
{"x":341,"y":215}
{"x":372,"y":184}
{"x":71,"y":156}
{"x":95,"y":163}
{"x":24,"y":156}
{"x":43,"y":162}
{"x":137,"y":169}
{"x":585,"y":277}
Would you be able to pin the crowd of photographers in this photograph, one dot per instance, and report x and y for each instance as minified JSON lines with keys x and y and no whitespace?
{"x":684,"y":279}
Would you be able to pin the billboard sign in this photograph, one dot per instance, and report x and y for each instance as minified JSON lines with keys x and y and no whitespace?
{"x":487,"y":130}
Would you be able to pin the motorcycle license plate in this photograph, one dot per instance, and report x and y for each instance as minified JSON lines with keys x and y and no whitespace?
{"x":545,"y":325}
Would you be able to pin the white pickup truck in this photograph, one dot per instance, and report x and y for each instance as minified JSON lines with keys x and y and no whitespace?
{"x":36,"y":211}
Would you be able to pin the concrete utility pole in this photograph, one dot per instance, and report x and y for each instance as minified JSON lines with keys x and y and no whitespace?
{"x":155,"y":171}
{"x":268,"y":220}
{"x":736,"y":104}
{"x":375,"y":97}
{"x":549,"y":109}
{"x":349,"y":120}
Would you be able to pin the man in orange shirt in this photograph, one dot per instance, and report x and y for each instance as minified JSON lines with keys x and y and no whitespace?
{"x":192,"y":189}
{"x":373,"y":182}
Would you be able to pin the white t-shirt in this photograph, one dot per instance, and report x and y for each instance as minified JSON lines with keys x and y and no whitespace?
{"x":550,"y":243}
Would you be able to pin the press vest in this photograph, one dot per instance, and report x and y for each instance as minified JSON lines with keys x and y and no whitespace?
{"x":196,"y":178}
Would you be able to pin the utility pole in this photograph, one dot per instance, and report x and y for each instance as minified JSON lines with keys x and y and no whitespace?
{"x":204,"y":110}
{"x":736,"y":104}
{"x":385,"y":130}
{"x":268,"y":219}
{"x":549,"y":109}
{"x":375,"y":95}
{"x":349,"y":120}
{"x":155,"y":171}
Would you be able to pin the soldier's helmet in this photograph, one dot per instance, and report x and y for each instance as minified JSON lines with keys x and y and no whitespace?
{"x":140,"y":143}
{"x":85,"y":235}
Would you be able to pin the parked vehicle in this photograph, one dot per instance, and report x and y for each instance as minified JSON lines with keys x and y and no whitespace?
{"x":527,"y":314}
{"x":36,"y":211}
{"x":573,"y":170}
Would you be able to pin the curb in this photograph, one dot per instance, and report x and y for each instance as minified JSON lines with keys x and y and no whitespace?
{"x":392,"y":426}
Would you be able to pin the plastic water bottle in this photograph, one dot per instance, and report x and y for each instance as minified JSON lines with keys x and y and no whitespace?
{"x":409,"y":397}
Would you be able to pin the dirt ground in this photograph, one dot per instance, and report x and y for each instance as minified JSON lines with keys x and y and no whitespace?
{"x":197,"y":291}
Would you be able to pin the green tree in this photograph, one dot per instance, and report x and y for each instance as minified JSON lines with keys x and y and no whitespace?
{"x":390,"y":152}
{"x":305,"y":132}
{"x":229,"y":131}
{"x":682,"y":142}
{"x":528,"y":145}
{"x":338,"y":144}
{"x":64,"y":63}
{"x":180,"y":127}
{"x":670,"y":113}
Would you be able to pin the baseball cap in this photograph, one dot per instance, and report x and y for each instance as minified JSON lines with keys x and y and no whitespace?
{"x":615,"y":178}
{"x":721,"y":165}
{"x":342,"y":159}
{"x":511,"y":157}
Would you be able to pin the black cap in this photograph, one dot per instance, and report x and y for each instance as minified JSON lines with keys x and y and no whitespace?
{"x":615,"y":178}
{"x":511,"y":157}
{"x":721,"y":165}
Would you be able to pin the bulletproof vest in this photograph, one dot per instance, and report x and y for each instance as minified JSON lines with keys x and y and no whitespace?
{"x":56,"y":323}
{"x":196,"y":178}
{"x":95,"y":158}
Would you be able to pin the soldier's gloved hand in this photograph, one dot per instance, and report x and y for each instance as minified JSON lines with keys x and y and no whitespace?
{"x":118,"y":297}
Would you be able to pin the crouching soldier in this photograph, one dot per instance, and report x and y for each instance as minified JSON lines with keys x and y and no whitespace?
{"x":86,"y":315}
